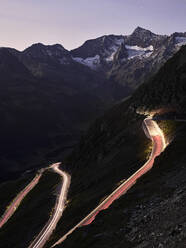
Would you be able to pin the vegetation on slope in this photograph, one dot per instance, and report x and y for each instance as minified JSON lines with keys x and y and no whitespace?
{"x":167,"y":89}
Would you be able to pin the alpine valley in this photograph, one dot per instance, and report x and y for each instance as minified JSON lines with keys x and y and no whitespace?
{"x":49,"y":95}
{"x":86,"y":108}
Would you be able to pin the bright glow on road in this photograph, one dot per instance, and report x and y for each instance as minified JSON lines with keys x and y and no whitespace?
{"x":155,"y":130}
{"x":152,"y":131}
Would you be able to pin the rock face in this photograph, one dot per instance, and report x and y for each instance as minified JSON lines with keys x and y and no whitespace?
{"x":103,"y":48}
{"x":129,"y":60}
{"x":146,"y":53}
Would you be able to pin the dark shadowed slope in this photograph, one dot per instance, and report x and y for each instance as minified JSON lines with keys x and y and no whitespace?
{"x":104,"y":157}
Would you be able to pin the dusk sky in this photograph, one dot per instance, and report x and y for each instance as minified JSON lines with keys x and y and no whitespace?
{"x":71,"y":22}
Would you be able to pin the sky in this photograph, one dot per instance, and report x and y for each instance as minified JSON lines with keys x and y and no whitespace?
{"x":72,"y":22}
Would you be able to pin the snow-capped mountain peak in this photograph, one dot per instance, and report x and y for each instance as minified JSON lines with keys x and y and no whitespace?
{"x":92,"y":62}
{"x":100,"y":51}
{"x":107,"y":51}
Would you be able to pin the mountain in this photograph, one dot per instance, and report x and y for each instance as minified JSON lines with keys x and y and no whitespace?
{"x":166,"y":90}
{"x":152,"y":212}
{"x":98,"y":53}
{"x":46,"y":103}
{"x":146,"y":53}
{"x":50,"y":95}
{"x":38,"y":112}
{"x":129,"y":59}
{"x":44,"y":60}
{"x":9,"y":63}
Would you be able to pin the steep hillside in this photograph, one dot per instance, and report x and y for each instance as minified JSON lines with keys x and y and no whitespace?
{"x":45,"y":105}
{"x":114,"y":147}
{"x":151,"y":214}
{"x":166,"y":89}
{"x":50,"y":95}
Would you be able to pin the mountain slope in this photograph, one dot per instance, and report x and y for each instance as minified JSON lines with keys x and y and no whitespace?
{"x":98,"y":53}
{"x":146,"y":53}
{"x":45,"y":105}
{"x":166,"y":89}
{"x":151,"y":214}
{"x":50,"y":95}
{"x":113,"y":149}
{"x":130,"y":59}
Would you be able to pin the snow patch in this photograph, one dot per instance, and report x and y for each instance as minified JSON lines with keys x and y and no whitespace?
{"x":180,"y":41}
{"x":136,"y":51}
{"x":148,"y":54}
{"x":113,"y":49}
{"x":92,"y":62}
{"x":137,"y":48}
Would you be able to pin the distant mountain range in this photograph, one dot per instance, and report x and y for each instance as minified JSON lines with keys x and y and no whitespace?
{"x":49,"y":95}
{"x":129,"y":60}
{"x":125,"y":59}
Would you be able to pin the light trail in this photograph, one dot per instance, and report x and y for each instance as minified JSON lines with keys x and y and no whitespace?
{"x":152,"y":131}
{"x":17,"y":201}
{"x":43,"y":236}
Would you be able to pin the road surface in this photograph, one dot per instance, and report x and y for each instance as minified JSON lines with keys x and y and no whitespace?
{"x":153,"y":132}
{"x":16,"y":202}
{"x":43,"y":236}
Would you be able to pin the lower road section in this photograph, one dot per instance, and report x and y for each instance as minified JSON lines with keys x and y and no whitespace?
{"x":153,"y":132}
{"x":16,"y":202}
{"x":43,"y":236}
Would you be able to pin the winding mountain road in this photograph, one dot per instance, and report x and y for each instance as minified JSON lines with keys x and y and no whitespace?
{"x":43,"y":236}
{"x":153,"y":132}
{"x":16,"y":202}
